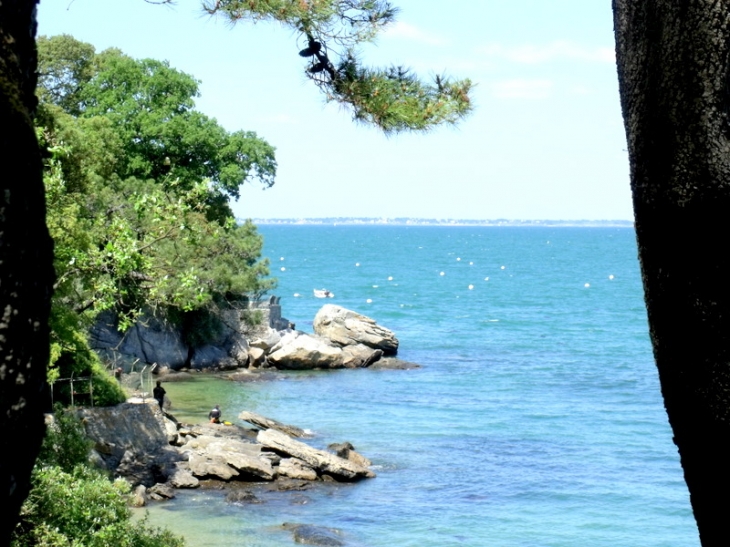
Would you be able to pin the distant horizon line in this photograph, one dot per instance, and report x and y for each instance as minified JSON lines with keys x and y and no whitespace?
{"x":418,"y":221}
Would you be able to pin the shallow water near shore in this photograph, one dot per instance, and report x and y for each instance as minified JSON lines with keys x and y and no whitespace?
{"x":535,"y":420}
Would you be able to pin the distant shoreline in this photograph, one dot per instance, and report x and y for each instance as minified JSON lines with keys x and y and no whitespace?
{"x":443,"y":222}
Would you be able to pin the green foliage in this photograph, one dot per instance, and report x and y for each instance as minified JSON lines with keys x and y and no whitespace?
{"x":73,"y":505}
{"x":82,"y":508}
{"x":392,"y":99}
{"x":65,"y":445}
{"x":150,"y":107}
{"x":63,"y":62}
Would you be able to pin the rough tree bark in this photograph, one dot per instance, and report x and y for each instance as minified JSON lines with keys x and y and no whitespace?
{"x":26,"y":258}
{"x":674,"y":70}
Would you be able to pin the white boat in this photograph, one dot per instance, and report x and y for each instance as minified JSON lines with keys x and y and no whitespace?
{"x":323,"y":293}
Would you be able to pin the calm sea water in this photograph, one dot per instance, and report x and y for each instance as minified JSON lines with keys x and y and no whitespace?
{"x":536,"y":419}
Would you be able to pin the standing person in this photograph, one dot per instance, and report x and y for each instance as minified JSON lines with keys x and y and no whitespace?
{"x":215,"y":415}
{"x":159,"y":394}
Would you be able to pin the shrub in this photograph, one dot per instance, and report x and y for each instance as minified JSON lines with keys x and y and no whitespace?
{"x":83,"y":509}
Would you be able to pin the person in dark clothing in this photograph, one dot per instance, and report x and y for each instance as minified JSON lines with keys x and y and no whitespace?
{"x":215,"y":415}
{"x":159,"y":394}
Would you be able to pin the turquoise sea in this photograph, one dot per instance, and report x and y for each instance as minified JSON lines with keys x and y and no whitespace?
{"x":536,"y":419}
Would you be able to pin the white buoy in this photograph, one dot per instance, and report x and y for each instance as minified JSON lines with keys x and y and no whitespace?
{"x":471,"y":287}
{"x":442,"y":273}
{"x":587,"y":285}
{"x":390,"y":278}
{"x":458,"y":260}
{"x":357,"y":264}
{"x":297,"y":295}
{"x":503,"y":267}
{"x":375,"y":286}
{"x":486,"y":279}
{"x":282,"y":258}
{"x":283,"y":269}
{"x":611,"y":277}
{"x":471,"y":263}
{"x":369,"y":301}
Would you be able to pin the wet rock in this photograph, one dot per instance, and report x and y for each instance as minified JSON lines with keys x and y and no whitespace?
{"x":262,"y":422}
{"x":160,"y":492}
{"x":315,"y":535}
{"x":243,"y":496}
{"x":347,"y":451}
{"x":392,"y":363}
{"x":285,"y":485}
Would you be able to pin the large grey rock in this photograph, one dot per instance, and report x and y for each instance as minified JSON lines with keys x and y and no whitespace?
{"x":139,"y":427}
{"x":299,"y":351}
{"x":181,"y":477}
{"x":322,"y":461}
{"x":346,"y":327}
{"x":244,"y":458}
{"x":359,"y":356}
{"x":294,"y":468}
{"x":205,"y":466}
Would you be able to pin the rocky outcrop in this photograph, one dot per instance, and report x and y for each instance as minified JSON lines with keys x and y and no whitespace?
{"x":342,"y":339}
{"x":300,"y":351}
{"x":153,"y":340}
{"x":348,"y":328}
{"x":131,"y":441}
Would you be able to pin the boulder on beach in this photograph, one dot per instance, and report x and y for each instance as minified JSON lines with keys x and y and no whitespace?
{"x":346,"y":328}
{"x":300,"y":351}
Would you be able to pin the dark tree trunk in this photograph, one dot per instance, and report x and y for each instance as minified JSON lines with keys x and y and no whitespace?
{"x":26,"y":261}
{"x":674,"y":71}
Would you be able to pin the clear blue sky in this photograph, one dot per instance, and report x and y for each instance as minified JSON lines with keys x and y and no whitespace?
{"x":546,"y":140}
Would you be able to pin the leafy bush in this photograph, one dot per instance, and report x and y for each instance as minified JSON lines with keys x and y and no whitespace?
{"x":82,"y":509}
{"x":72,"y":505}
{"x":65,"y":445}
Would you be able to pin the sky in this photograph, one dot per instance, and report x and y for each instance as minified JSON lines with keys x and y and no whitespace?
{"x":545,"y":141}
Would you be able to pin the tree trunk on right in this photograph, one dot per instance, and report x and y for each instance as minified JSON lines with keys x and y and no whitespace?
{"x":673,"y":62}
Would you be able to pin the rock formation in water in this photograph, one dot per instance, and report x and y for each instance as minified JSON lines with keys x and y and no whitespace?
{"x":148,"y":448}
{"x":342,"y":339}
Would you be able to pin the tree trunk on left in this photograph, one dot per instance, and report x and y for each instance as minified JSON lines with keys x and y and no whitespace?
{"x":26,"y":263}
